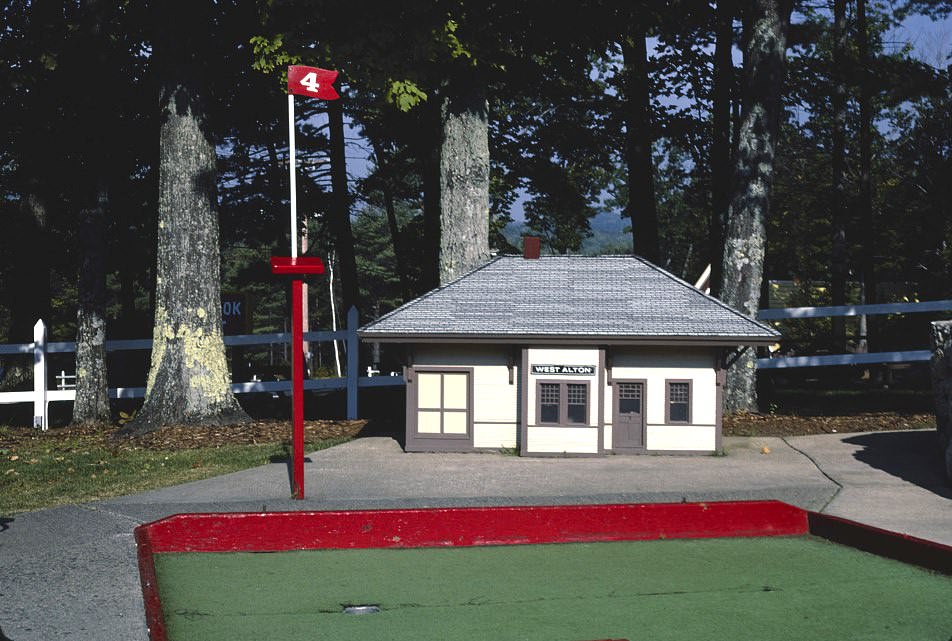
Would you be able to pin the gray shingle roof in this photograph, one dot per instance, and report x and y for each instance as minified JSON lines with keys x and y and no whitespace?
{"x":610,"y":297}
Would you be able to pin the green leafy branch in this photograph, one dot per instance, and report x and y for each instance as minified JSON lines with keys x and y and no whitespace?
{"x":270,"y":54}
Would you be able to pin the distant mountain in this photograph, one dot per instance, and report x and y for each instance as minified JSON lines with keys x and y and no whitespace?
{"x":610,"y":235}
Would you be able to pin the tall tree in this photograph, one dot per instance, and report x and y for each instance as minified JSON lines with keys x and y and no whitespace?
{"x":92,"y":390}
{"x":641,"y":207}
{"x":189,"y":381}
{"x":340,"y":209}
{"x":721,"y":136}
{"x":865,"y":166}
{"x":839,"y":203}
{"x":767,"y":23}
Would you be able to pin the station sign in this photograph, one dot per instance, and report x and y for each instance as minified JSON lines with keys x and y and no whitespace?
{"x":572,"y":370}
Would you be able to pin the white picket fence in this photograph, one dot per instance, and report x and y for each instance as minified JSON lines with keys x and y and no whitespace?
{"x":41,"y":397}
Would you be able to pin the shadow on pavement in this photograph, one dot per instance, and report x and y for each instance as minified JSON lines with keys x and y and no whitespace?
{"x":911,"y":456}
{"x":4,"y":525}
{"x":388,"y":426}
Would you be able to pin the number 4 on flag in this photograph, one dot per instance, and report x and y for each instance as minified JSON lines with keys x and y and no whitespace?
{"x":313,"y":82}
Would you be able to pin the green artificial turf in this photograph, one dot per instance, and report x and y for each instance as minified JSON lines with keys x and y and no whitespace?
{"x":760,"y":589}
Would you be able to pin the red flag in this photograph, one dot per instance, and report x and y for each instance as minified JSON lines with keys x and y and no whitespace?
{"x":313,"y":82}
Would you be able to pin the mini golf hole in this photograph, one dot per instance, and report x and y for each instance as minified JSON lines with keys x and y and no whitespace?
{"x":369,"y":608}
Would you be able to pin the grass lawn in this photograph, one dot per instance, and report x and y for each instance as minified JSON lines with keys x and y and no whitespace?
{"x":66,"y":465}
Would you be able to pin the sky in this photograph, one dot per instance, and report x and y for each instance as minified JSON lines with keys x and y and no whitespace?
{"x":931,"y":40}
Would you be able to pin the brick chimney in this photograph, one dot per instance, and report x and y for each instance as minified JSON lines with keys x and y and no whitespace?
{"x":531,"y":247}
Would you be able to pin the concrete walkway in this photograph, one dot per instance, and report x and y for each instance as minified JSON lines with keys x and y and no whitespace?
{"x":70,"y":573}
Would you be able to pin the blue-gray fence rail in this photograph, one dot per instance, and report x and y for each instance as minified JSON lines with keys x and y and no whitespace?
{"x":870,"y":358}
{"x":352,"y":382}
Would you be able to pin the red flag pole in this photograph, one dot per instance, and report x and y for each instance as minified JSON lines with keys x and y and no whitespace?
{"x":297,"y":332}
{"x":297,"y":388}
{"x":317,"y":83}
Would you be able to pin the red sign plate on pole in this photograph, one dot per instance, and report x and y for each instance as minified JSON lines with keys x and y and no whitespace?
{"x":313,"y":82}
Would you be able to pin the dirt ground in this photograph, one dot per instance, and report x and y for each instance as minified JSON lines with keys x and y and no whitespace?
{"x":257,"y":432}
{"x":276,"y":431}
{"x":792,"y":425}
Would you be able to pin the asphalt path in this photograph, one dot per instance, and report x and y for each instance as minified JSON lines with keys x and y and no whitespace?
{"x":70,"y":573}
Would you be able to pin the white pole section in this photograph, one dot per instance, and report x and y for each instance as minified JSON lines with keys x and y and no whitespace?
{"x":292,"y":165}
{"x":40,"y":419}
{"x":330,"y":285}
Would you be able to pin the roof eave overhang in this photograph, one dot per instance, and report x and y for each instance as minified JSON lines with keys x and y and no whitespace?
{"x":549,"y":339}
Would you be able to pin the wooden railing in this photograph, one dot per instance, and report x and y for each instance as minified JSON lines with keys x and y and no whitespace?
{"x":869,"y":358}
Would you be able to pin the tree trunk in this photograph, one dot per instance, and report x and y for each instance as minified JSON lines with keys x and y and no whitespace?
{"x":396,"y":236}
{"x":721,"y":143}
{"x":340,"y":216}
{"x":838,"y":161}
{"x":188,"y":380}
{"x":641,"y":207}
{"x":941,"y":370}
{"x":427,"y":145}
{"x":91,"y":406}
{"x":745,"y":242}
{"x":92,"y":390}
{"x":464,"y":178}
{"x":865,"y":163}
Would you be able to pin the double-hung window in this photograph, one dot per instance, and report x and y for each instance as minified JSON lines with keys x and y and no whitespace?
{"x":678,"y":402}
{"x":562,"y":403}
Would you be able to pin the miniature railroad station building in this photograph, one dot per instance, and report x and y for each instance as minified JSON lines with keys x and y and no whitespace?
{"x":566,"y":355}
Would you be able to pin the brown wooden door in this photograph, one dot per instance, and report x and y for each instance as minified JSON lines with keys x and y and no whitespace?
{"x":628,"y":424}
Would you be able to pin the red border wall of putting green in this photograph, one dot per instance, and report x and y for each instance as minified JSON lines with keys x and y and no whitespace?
{"x":893,"y":545}
{"x":150,"y":588}
{"x":448,"y":527}
{"x":445,"y":527}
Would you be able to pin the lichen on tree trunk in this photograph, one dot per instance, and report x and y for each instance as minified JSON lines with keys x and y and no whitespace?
{"x":189,"y":381}
{"x":464,"y":178}
{"x":745,"y":239}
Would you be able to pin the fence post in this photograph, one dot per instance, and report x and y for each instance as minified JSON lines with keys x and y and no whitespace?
{"x":39,"y":376}
{"x":353,"y":351}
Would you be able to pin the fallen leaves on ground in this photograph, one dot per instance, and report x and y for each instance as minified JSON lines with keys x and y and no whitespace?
{"x":254,"y":433}
{"x":260,"y":432}
{"x":750,"y":424}
{"x":181,"y":437}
